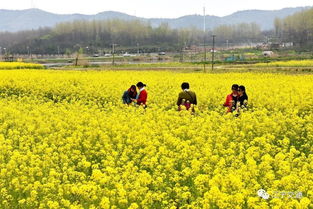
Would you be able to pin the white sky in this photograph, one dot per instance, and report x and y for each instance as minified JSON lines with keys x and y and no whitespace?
{"x":152,"y":8}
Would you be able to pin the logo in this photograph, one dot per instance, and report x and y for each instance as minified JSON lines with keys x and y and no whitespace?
{"x":262,"y":193}
{"x":279,"y":194}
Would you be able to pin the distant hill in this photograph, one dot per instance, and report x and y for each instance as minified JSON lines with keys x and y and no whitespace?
{"x":17,"y":20}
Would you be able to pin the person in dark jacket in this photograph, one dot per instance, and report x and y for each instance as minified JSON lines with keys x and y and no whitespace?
{"x":129,"y":94}
{"x":186,"y":98}
{"x":242,"y":99}
{"x":231,"y":99}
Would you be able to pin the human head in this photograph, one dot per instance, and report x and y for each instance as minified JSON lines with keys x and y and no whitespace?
{"x":132,"y":88}
{"x":234,"y":88}
{"x":185,"y":85}
{"x":241,"y":90}
{"x":140,"y":85}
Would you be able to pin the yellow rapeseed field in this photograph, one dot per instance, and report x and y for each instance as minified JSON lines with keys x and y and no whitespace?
{"x":20,"y":65}
{"x":67,"y":141}
{"x":290,"y":63}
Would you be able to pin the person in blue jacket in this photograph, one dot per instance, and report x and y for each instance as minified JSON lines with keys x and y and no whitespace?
{"x":129,"y":95}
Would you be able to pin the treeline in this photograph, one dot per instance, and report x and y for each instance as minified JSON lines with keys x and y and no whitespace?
{"x":126,"y":34}
{"x":92,"y":36}
{"x":240,"y":33}
{"x":97,"y":35}
{"x":297,"y":28}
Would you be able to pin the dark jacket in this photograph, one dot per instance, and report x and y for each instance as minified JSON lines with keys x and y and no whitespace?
{"x":128,"y":95}
{"x":243,"y":100}
{"x":187,"y":95}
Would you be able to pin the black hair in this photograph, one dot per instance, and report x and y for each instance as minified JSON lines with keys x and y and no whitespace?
{"x":140,"y":85}
{"x":235,"y":87}
{"x":133,"y":87}
{"x":185,"y":85}
{"x":243,"y":88}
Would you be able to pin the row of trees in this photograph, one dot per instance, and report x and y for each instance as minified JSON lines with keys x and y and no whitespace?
{"x":297,"y":28}
{"x":129,"y":35}
{"x":240,"y":33}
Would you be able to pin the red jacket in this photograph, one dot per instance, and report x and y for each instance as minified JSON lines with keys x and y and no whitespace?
{"x":142,"y":98}
{"x":229,"y":102}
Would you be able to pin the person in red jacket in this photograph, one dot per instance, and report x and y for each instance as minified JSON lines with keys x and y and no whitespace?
{"x":142,"y":96}
{"x":231,"y":99}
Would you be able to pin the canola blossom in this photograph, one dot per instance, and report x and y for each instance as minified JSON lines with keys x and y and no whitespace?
{"x":290,"y":63}
{"x":67,"y":141}
{"x":20,"y":65}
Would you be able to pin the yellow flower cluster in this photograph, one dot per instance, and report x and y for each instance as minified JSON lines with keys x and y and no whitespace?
{"x":291,"y":63}
{"x":67,"y":141}
{"x":20,"y":65}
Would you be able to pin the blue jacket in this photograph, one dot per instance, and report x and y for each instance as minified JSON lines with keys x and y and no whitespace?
{"x":126,"y":98}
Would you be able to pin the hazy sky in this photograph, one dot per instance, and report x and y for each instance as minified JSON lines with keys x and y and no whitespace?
{"x":152,"y":8}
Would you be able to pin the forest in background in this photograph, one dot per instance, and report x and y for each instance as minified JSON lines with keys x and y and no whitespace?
{"x":297,"y":28}
{"x":94,"y":36}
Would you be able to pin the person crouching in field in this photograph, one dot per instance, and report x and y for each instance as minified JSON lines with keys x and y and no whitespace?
{"x":242,"y":100}
{"x":186,"y":99}
{"x":142,"y":96}
{"x":129,"y":94}
{"x":231,"y":99}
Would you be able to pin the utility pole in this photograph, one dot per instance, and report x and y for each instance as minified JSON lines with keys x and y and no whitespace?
{"x":113,"y":53}
{"x":181,"y":59}
{"x":204,"y":31}
{"x":28,"y":51}
{"x":137,"y":49}
{"x":31,"y":55}
{"x":213,"y":50}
